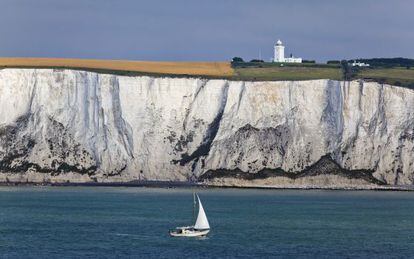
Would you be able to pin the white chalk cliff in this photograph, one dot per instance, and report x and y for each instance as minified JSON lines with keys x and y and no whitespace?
{"x":77,"y":126}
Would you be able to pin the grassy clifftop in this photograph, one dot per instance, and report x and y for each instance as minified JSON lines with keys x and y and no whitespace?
{"x":261,"y":72}
{"x":393,"y":76}
{"x":275,"y":72}
{"x":247,"y":71}
{"x":389,"y":73}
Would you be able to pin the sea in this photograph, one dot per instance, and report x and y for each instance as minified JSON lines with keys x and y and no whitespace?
{"x":129,"y":222}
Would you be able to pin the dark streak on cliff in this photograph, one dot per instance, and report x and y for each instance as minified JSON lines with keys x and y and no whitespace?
{"x":209,"y":137}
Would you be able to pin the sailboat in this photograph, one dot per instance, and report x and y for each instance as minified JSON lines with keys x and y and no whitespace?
{"x":201,"y":226}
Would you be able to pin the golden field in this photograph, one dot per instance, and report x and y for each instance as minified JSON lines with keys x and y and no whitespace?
{"x":213,"y":69}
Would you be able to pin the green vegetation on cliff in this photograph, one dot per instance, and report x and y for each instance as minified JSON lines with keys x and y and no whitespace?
{"x":392,"y":76}
{"x":276,"y":72}
{"x":393,"y":71}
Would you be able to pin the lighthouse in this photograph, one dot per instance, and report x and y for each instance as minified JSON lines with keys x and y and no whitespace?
{"x":279,"y":52}
{"x":279,"y":55}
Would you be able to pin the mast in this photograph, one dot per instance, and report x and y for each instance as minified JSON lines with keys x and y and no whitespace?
{"x":194,"y":206}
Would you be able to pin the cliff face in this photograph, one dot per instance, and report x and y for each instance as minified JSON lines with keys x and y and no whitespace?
{"x":65,"y":125}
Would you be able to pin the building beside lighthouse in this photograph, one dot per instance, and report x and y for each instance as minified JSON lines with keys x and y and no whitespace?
{"x":279,"y":54}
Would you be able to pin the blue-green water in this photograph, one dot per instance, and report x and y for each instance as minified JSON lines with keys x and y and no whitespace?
{"x":100,"y":222}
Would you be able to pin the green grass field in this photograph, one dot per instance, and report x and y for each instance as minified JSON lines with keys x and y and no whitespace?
{"x":399,"y":76}
{"x":393,"y":76}
{"x":276,"y":73}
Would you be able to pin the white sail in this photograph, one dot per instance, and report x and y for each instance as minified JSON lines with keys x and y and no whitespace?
{"x":201,"y":222}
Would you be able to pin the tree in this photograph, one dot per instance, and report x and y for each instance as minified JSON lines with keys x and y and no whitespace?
{"x":237,"y":60}
{"x":257,"y":60}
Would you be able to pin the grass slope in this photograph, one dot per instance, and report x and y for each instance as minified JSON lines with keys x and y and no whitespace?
{"x":393,"y":76}
{"x":275,"y":73}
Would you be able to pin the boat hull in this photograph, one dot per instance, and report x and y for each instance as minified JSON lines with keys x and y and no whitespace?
{"x":190,"y":233}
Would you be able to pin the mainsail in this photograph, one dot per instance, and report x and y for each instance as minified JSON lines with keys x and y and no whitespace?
{"x":201,"y":222}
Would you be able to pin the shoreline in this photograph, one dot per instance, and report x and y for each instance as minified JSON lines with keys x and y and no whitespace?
{"x":178,"y":184}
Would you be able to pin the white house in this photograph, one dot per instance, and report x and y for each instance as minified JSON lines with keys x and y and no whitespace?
{"x":359,"y":64}
{"x":279,"y":55}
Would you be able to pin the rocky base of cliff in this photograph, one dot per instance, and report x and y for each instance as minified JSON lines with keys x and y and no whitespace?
{"x":332,"y":182}
{"x":325,"y":173}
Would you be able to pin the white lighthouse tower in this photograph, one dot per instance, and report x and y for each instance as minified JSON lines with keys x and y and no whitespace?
{"x":279,"y":52}
{"x":279,"y":55}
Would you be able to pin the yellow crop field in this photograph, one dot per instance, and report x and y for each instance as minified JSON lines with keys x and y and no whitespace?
{"x":213,"y":69}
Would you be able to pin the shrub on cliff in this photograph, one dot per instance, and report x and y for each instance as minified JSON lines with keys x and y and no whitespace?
{"x":257,"y":61}
{"x":237,"y":60}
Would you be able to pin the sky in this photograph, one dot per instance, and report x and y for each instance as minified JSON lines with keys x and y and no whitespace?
{"x":201,"y":30}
